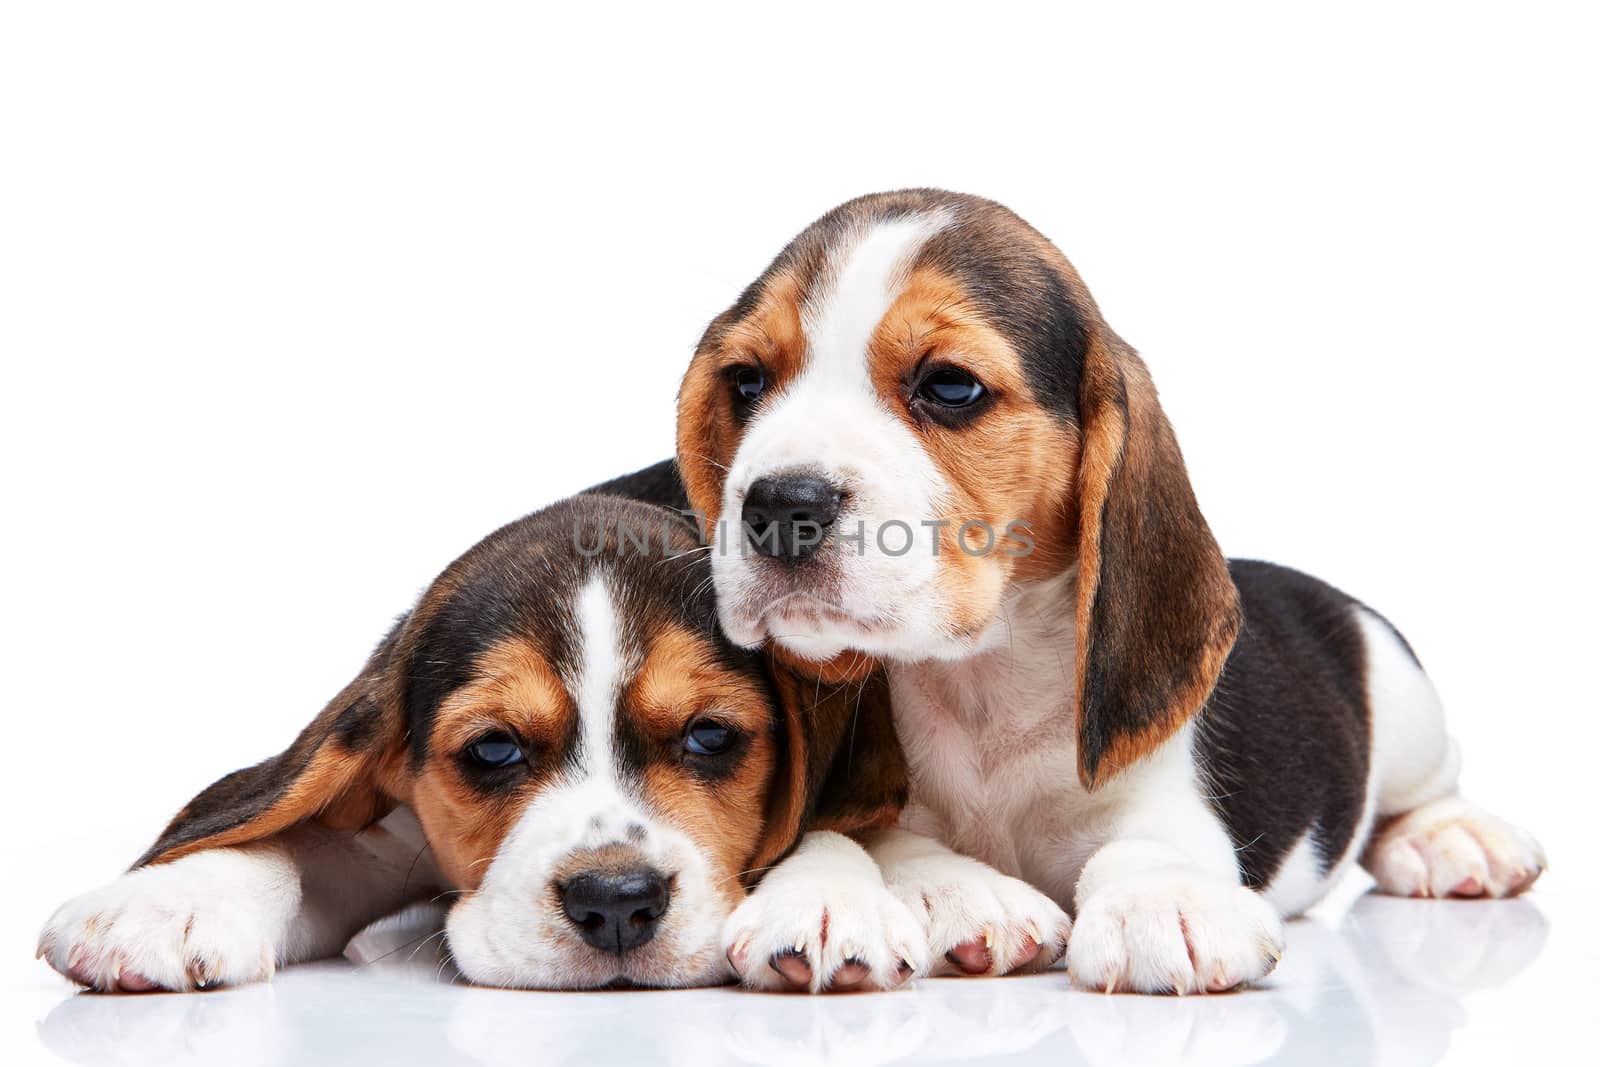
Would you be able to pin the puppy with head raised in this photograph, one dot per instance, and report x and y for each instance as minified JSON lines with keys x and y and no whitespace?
{"x":558,"y":731}
{"x":920,"y":443}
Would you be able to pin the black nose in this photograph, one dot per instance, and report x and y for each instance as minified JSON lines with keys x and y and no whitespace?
{"x":616,"y":912}
{"x":786,"y":517}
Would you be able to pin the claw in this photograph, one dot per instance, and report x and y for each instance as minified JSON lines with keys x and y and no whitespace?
{"x":739,"y":953}
{"x":200,"y":978}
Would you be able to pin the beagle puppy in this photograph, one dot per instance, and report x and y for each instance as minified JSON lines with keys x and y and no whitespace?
{"x":559,"y":740}
{"x":917,"y":443}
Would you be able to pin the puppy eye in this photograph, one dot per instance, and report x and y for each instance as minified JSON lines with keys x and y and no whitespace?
{"x":950,"y":388}
{"x":706,"y":737}
{"x":749,"y":383}
{"x":494,"y":751}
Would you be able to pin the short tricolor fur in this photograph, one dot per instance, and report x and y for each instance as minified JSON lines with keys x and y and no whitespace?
{"x":594,"y":658}
{"x":1112,"y":711}
{"x":1068,"y":439}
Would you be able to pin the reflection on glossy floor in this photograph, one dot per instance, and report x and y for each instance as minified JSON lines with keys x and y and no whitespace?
{"x":1388,"y":981}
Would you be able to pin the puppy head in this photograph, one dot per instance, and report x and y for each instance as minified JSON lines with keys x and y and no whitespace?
{"x":918,"y":407}
{"x":590,"y":760}
{"x":596,"y":768}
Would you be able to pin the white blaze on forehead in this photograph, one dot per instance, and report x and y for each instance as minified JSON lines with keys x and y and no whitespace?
{"x":512,"y":929}
{"x":831,"y":417}
{"x":599,"y":678}
{"x":832,"y":421}
{"x":864,"y":277}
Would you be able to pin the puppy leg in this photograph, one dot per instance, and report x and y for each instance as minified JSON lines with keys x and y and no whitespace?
{"x":823,"y":921}
{"x":980,"y":922}
{"x":231,"y":915}
{"x":1429,"y":842}
{"x":1152,"y":920}
{"x":1160,"y":907}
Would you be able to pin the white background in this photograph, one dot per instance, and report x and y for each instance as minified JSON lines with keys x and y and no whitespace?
{"x":299,"y":300}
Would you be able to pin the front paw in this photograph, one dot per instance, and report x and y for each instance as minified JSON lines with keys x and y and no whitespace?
{"x":1173,"y":931}
{"x":979,"y":921}
{"x":835,"y":934}
{"x":183,"y":926}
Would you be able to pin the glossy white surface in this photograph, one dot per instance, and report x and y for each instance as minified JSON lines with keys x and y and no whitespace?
{"x":1372,"y":980}
{"x":299,"y":300}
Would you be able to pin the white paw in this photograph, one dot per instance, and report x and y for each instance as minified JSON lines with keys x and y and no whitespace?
{"x":1173,"y":930}
{"x":828,"y":927}
{"x":979,"y":921}
{"x":196,"y":923}
{"x":1449,"y":848}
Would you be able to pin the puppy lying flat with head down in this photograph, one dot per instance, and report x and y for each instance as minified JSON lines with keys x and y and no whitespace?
{"x":557,"y":729}
{"x":1179,"y":748}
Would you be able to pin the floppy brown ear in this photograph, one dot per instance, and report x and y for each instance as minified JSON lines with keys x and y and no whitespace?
{"x":1157,"y":613}
{"x":839,"y":763}
{"x":334,"y":772}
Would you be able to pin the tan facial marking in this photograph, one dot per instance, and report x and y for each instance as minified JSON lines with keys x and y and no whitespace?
{"x":1013,"y":463}
{"x":678,"y":682}
{"x":771,"y":335}
{"x":514,"y":689}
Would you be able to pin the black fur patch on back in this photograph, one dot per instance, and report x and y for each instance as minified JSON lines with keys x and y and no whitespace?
{"x":1284,"y":741}
{"x":656,"y":484}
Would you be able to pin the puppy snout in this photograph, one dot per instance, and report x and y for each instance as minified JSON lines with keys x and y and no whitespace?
{"x":616,"y":911}
{"x":787,"y":516}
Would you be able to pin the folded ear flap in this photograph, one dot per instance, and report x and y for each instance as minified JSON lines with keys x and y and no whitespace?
{"x":1157,"y":613}
{"x":840,"y":766}
{"x":334,"y":772}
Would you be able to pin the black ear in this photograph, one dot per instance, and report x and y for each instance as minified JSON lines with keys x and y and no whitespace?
{"x":1157,"y":613}
{"x":343,"y":770}
{"x":840,"y":763}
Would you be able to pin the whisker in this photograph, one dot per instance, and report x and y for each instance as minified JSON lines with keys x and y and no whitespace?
{"x":448,"y":961}
{"x":406,"y":883}
{"x":419,"y":948}
{"x":423,"y":938}
{"x":740,"y":874}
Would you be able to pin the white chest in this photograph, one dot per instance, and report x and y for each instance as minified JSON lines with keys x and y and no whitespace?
{"x":992,"y":745}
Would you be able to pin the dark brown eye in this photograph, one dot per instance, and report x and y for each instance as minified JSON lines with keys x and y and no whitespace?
{"x":748,"y":384}
{"x":707,"y":737}
{"x":494,"y":751}
{"x":950,"y":388}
